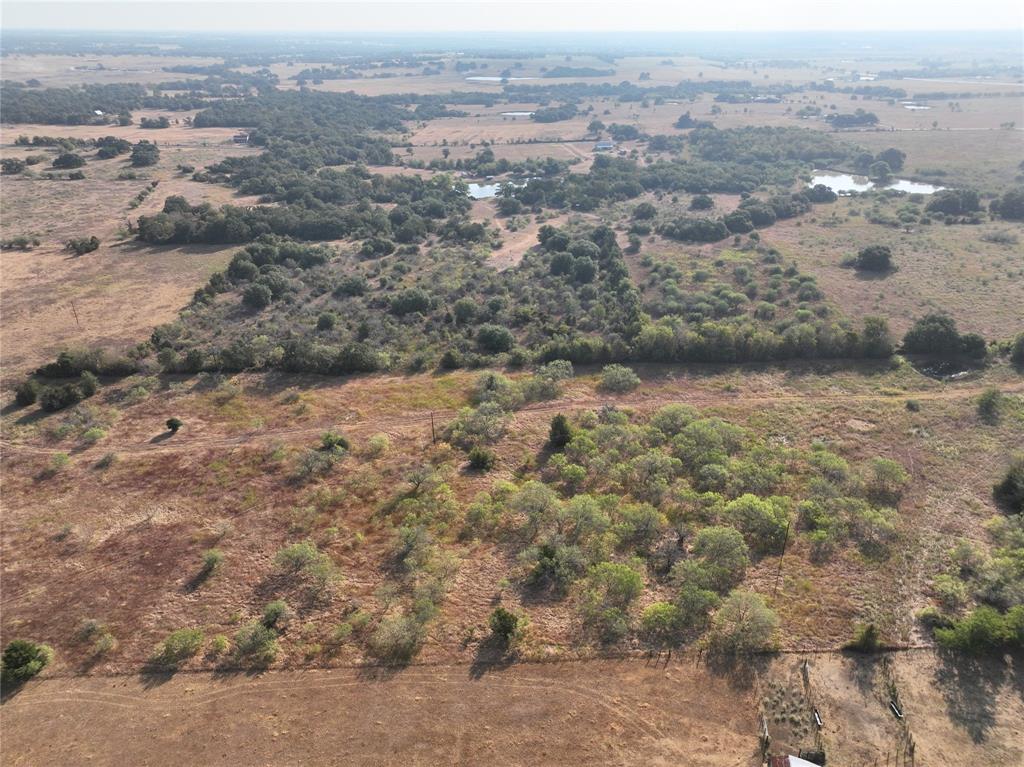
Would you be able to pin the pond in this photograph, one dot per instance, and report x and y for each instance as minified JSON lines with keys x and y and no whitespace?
{"x":844,"y":183}
{"x":494,"y":79}
{"x":493,"y":189}
{"x":915,"y":107}
{"x":516,"y":114}
{"x":483,"y":191}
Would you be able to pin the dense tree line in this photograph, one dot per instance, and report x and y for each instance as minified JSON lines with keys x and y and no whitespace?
{"x":85,"y":104}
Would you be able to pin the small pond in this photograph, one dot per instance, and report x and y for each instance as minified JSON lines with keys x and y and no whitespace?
{"x":492,"y":189}
{"x":844,"y":183}
{"x":516,"y":114}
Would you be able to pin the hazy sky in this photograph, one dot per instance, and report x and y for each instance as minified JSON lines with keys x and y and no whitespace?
{"x":528,"y":15}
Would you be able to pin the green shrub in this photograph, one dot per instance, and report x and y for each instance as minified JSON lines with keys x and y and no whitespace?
{"x":27,"y":392}
{"x":256,"y":644}
{"x":22,"y":660}
{"x":212,"y":560}
{"x":276,"y":613}
{"x":763,"y":521}
{"x":865,"y":638}
{"x":662,"y":623}
{"x":378,"y":445}
{"x":306,"y":559}
{"x":560,"y":432}
{"x":482,"y":459}
{"x":618,"y":379}
{"x":1009,"y":491}
{"x":334,"y":443}
{"x":743,"y":624}
{"x":990,"y":404}
{"x":173,"y":424}
{"x":397,"y":639}
{"x":504,"y":624}
{"x":985,"y":631}
{"x":179,"y":646}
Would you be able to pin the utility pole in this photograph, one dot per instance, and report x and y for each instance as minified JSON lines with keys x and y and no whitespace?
{"x":782,"y":556}
{"x":75,"y":312}
{"x":433,"y":434}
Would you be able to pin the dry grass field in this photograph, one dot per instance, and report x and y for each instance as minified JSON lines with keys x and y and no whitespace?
{"x":107,"y":515}
{"x":958,"y":713}
{"x":121,"y":290}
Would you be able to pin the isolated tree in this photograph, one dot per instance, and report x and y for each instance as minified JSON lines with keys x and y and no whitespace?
{"x":874,"y":258}
{"x":145,"y":153}
{"x":560,"y":432}
{"x":68,"y":160}
{"x":504,"y":624}
{"x":893,"y":158}
{"x":880,"y":171}
{"x":595,"y":126}
{"x":173,"y":424}
{"x":22,"y":660}
{"x":743,"y":624}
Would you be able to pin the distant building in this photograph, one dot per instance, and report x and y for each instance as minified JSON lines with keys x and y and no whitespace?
{"x":241,"y":138}
{"x":604,"y":146}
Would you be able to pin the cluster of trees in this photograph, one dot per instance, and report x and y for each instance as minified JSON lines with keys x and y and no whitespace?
{"x":145,"y":154}
{"x":752,"y":213}
{"x":859,"y":119}
{"x":680,"y":499}
{"x":327,"y":205}
{"x":86,"y":104}
{"x":1010,"y":205}
{"x":554,"y":114}
{"x":936,"y":335}
{"x":154,"y":122}
{"x":485,"y":164}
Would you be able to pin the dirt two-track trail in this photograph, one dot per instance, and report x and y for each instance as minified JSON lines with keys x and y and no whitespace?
{"x":389,"y":423}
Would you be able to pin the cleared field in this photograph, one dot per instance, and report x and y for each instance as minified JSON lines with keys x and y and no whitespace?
{"x":63,"y":70}
{"x":940,"y":268}
{"x":120,"y":290}
{"x":608,"y":713}
{"x":957,"y":713}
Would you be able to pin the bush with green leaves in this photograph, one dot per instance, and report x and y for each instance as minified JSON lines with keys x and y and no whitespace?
{"x":504,"y":624}
{"x":256,"y":643}
{"x":276,"y":614}
{"x":743,"y":624}
{"x":985,"y":631}
{"x":173,"y":424}
{"x":212,"y":560}
{"x":718,"y":561}
{"x":334,"y":443}
{"x":305,"y":559}
{"x":610,"y":589}
{"x":618,"y":379}
{"x":866,"y":638}
{"x":397,"y":638}
{"x":22,"y":659}
{"x":763,"y":521}
{"x":482,"y":458}
{"x":480,"y":425}
{"x":990,"y":405}
{"x":179,"y":646}
{"x":27,"y":392}
{"x":560,"y":432}
{"x":1009,"y":491}
{"x":662,"y":624}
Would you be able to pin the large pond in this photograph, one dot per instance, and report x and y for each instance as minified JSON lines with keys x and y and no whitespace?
{"x":494,"y":79}
{"x":844,"y":183}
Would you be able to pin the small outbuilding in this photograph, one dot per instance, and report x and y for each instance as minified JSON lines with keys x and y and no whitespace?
{"x":604,"y":146}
